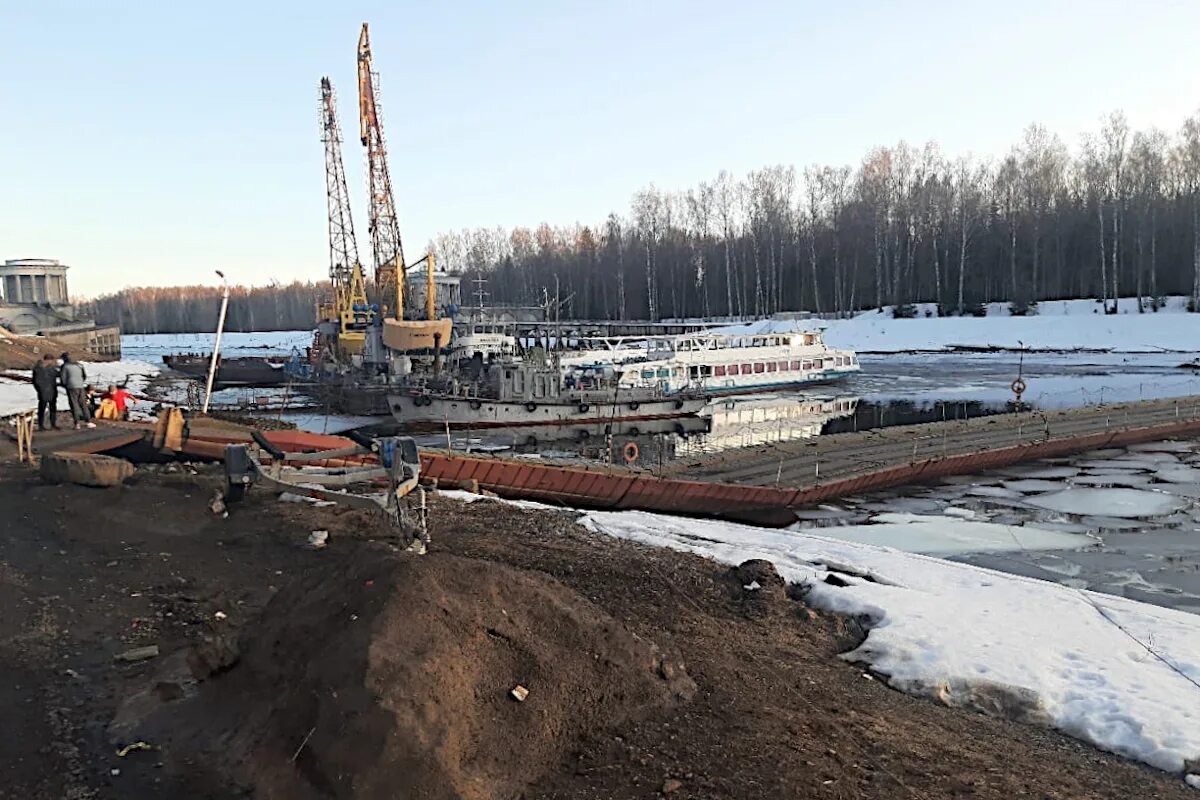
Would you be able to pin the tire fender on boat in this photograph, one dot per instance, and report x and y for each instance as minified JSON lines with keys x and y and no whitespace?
{"x":531,"y":406}
{"x":475,"y":405}
{"x":634,"y":406}
{"x":583,"y":408}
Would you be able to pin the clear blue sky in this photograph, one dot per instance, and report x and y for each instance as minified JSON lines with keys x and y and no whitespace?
{"x":149,"y":143}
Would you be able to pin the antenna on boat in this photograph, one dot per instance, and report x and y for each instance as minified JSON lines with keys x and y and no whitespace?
{"x":480,"y":282}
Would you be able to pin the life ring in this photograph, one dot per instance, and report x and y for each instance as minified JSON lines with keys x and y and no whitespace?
{"x":475,"y":405}
{"x":1018,"y":386}
{"x":583,"y":408}
{"x":531,"y":406}
{"x":630,"y":452}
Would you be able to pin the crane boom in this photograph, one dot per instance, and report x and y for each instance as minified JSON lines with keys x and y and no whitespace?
{"x":386,"y":248}
{"x":349,"y":308}
{"x":343,"y":245}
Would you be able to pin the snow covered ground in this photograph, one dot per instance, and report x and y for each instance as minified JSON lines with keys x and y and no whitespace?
{"x":1058,"y":325}
{"x":1101,"y":668}
{"x":1120,"y":674}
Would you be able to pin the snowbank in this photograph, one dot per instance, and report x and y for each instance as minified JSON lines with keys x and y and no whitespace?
{"x":971,"y":637}
{"x":1119,"y":674}
{"x":1058,"y":325}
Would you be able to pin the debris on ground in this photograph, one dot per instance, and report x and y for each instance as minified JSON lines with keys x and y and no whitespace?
{"x":85,"y":469}
{"x":138,"y":654}
{"x":129,"y":748}
{"x":217,"y":504}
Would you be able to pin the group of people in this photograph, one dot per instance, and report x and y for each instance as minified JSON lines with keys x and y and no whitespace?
{"x":84,"y":402}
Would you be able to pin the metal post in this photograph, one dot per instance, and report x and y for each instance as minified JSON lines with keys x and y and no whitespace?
{"x":212,"y":367}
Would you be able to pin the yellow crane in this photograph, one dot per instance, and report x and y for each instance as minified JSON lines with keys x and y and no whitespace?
{"x":386,"y":248}
{"x":349,"y":314}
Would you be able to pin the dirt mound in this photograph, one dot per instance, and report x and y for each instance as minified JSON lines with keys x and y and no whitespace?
{"x":392,"y":676}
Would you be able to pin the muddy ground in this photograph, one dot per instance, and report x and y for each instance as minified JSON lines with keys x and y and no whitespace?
{"x":704,"y":691}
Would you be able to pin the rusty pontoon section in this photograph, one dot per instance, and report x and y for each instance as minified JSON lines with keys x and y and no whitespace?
{"x":767,"y":505}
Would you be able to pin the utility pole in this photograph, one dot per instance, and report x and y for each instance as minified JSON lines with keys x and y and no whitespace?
{"x":212,"y":367}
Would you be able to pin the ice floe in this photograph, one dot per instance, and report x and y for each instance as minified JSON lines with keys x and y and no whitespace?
{"x":992,"y":491}
{"x":1178,"y":474}
{"x":952,"y":535}
{"x":1039,"y":472}
{"x":1128,"y":480}
{"x":1033,"y":485}
{"x":1125,"y":503}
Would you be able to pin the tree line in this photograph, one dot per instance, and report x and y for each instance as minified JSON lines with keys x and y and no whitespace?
{"x":1117,"y":215}
{"x":193,"y":309}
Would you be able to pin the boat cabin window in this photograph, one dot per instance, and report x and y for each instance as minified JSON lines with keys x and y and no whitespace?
{"x":808,"y":365}
{"x":648,"y":374}
{"x":732,"y":369}
{"x":664,"y":372}
{"x":783,"y":365}
{"x":770,"y":366}
{"x":719,"y":371}
{"x":748,"y":368}
{"x":759,"y":368}
{"x":796,"y":366}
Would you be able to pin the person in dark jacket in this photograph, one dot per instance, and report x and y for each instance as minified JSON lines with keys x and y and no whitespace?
{"x":45,"y":383}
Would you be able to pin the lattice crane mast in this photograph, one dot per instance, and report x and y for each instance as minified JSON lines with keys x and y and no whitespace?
{"x":386,"y":248}
{"x":350,"y":308}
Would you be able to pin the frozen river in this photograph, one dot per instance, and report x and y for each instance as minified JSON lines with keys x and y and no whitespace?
{"x":1054,"y":380}
{"x":1119,"y":521}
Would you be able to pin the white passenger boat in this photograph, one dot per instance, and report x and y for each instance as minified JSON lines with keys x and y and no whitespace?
{"x":742,"y":359}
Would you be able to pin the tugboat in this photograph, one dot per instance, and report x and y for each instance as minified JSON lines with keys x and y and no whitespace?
{"x":521,"y":394}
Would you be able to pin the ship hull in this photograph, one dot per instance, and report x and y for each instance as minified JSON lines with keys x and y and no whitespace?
{"x":725,"y":387}
{"x":417,"y":412}
{"x":246,"y":371}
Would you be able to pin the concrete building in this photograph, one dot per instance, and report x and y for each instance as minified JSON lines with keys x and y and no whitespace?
{"x":447,"y":292}
{"x":34,"y":300}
